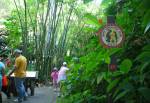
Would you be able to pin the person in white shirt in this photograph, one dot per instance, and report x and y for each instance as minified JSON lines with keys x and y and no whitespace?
{"x":62,"y":72}
{"x":62,"y":76}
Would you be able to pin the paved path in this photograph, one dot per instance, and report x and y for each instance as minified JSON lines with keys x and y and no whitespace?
{"x":42,"y":95}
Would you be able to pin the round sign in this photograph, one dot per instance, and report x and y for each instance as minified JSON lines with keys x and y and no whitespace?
{"x":112,"y":36}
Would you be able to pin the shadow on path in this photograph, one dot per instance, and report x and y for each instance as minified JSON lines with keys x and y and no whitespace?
{"x":42,"y":95}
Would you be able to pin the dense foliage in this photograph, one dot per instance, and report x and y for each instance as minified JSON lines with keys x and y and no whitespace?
{"x":90,"y":80}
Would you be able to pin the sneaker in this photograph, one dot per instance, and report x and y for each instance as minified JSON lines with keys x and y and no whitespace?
{"x":54,"y":89}
{"x":58,"y":95}
{"x":17,"y":101}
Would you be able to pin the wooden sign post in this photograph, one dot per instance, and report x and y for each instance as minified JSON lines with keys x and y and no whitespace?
{"x":111,"y":36}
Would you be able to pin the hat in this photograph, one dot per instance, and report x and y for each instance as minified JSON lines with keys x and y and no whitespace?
{"x":17,"y":51}
{"x":55,"y":68}
{"x":64,"y":63}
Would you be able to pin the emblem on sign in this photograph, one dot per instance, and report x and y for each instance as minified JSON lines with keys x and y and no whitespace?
{"x":111,"y":36}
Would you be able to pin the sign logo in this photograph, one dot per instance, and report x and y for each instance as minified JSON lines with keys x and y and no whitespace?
{"x":111,"y":36}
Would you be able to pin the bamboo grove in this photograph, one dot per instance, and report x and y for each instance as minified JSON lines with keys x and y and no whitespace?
{"x":43,"y":26}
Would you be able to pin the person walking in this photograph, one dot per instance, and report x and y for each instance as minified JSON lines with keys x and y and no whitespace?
{"x":20,"y":74}
{"x":62,"y":75}
{"x":54,"y":76}
{"x":2,"y":67}
{"x":62,"y":72}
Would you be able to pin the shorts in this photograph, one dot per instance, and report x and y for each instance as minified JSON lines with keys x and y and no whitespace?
{"x":61,"y":77}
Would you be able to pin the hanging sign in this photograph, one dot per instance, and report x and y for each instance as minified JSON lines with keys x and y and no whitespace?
{"x":111,"y":35}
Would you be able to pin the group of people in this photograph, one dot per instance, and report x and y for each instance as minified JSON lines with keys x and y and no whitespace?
{"x":59,"y":75}
{"x":19,"y":70}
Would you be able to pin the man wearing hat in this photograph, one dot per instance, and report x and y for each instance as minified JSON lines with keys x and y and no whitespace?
{"x":20,"y":74}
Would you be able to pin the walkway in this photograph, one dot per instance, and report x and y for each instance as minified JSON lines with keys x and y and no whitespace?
{"x":42,"y":95}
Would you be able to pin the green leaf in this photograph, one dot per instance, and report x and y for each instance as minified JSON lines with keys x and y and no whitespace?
{"x":93,"y":81}
{"x":89,"y":29}
{"x":86,"y":92}
{"x":99,"y":78}
{"x":120,"y":95}
{"x":107,"y":59}
{"x":116,"y":73}
{"x":144,"y":56}
{"x":106,"y":77}
{"x":126,"y":65}
{"x":147,"y":28}
{"x":145,"y":93}
{"x":91,"y":19}
{"x":144,"y":66}
{"x":102,"y":97}
{"x":115,"y":93}
{"x":114,"y":50}
{"x":112,"y":85}
{"x":146,"y":48}
{"x":146,"y":19}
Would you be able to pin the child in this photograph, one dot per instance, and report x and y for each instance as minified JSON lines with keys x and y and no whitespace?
{"x":54,"y":76}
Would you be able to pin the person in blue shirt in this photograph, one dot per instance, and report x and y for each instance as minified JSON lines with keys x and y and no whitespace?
{"x":2,"y":67}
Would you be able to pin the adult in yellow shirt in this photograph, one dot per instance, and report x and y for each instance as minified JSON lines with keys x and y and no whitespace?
{"x":20,"y":74}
